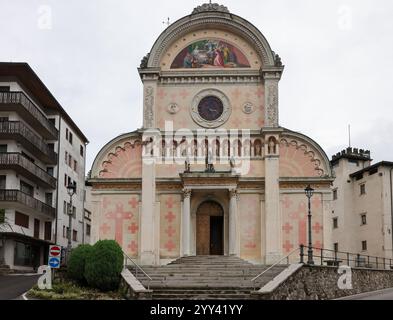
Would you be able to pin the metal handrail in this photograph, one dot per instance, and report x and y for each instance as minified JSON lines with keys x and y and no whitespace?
{"x":137,"y":266}
{"x":19,"y":97}
{"x":359,"y":260}
{"x":272,"y":266}
{"x":18,"y":127}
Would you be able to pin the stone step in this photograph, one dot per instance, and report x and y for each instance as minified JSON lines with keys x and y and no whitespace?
{"x":207,"y":277}
{"x":201,"y":296}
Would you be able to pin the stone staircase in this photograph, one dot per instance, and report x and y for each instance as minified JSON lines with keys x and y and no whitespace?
{"x":4,"y":269}
{"x":206,"y":277}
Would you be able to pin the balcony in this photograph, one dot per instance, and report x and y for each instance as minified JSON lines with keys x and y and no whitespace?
{"x":20,"y":103}
{"x":16,"y":130}
{"x":15,"y":199}
{"x":17,"y":162}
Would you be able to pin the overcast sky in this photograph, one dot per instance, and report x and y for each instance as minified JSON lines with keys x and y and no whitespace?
{"x":338,"y":57}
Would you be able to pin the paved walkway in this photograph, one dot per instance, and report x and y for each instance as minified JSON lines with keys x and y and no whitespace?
{"x":13,"y":286}
{"x":386,"y":294}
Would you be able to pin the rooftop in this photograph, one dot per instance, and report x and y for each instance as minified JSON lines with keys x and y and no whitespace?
{"x":26,"y":76}
{"x":352,"y":154}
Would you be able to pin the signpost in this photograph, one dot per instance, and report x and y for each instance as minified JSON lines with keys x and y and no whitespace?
{"x":54,"y":257}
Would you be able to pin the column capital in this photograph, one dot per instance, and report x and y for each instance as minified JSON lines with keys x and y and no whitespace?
{"x":187,"y":193}
{"x":233,"y":193}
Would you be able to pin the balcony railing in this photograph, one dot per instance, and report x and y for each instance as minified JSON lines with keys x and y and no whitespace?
{"x":21,"y":99}
{"x":18,"y":160}
{"x":17,"y":127}
{"x":26,"y":200}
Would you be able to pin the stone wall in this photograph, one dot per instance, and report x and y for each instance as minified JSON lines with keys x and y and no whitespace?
{"x":321,"y":283}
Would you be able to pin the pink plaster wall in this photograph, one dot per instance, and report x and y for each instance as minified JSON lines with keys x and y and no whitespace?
{"x":124,"y":162}
{"x":250,"y":226}
{"x":119,"y":221}
{"x":170,"y":211}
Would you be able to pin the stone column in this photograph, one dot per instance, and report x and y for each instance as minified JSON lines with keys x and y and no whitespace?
{"x":232,"y":221}
{"x":186,"y":223}
{"x":148,"y":213}
{"x":273,"y":219}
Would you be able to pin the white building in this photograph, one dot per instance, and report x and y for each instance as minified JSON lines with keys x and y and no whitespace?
{"x":41,"y":151}
{"x":362,"y":204}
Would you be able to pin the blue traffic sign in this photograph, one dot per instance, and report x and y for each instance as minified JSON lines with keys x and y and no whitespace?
{"x":54,"y":262}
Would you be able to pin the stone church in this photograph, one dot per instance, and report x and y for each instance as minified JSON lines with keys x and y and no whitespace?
{"x":211,"y":172}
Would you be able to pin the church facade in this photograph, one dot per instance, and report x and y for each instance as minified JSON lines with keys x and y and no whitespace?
{"x":211,"y":172}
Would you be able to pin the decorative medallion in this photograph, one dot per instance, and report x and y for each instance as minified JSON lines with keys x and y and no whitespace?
{"x":210,"y":108}
{"x":248,"y":108}
{"x":173,"y":108}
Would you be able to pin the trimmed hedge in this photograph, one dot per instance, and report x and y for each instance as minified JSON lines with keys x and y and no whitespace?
{"x":104,"y":265}
{"x":77,"y":262}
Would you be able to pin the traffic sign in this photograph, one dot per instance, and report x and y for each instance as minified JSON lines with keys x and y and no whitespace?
{"x":54,"y":258}
{"x":54,"y":251}
{"x":54,"y":262}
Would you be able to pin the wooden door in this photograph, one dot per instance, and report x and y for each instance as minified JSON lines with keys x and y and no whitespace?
{"x":209,"y":229}
{"x":203,"y":235}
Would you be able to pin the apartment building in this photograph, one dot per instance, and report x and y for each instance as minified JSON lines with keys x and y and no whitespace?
{"x":42,"y":150}
{"x":362,"y":204}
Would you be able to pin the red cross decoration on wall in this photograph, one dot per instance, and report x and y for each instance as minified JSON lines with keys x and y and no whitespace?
{"x":184,"y":93}
{"x":287,"y":246}
{"x":170,"y":245}
{"x":170,"y":217}
{"x":133,"y":203}
{"x":170,"y":231}
{"x":133,"y":228}
{"x":317,"y":228}
{"x":301,"y":216}
{"x":169,"y":203}
{"x":260,"y":92}
{"x":318,"y":245}
{"x":161,"y":94}
{"x":105,"y":229}
{"x":119,"y":216}
{"x":287,"y":202}
{"x":316,"y":201}
{"x":287,"y":228}
{"x":133,"y":246}
{"x":106,"y":202}
{"x":250,"y":245}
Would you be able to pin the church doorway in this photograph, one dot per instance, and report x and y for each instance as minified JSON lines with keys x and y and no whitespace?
{"x":210,"y":229}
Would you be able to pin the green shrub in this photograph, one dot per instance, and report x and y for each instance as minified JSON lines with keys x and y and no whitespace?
{"x":104,"y":265}
{"x":77,"y":262}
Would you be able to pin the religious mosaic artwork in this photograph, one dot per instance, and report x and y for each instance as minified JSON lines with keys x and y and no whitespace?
{"x":210,"y":53}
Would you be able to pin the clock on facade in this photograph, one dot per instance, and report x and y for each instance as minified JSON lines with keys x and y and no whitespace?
{"x":210,"y":108}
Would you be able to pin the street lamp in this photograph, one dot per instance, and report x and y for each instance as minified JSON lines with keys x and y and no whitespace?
{"x":71,"y":191}
{"x":309,"y":193}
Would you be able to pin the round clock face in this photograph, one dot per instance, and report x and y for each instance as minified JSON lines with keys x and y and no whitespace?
{"x":210,"y":108}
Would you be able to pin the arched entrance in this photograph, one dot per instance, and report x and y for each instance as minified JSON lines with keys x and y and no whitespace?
{"x":210,"y":229}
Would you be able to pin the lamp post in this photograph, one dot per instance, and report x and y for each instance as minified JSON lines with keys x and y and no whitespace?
{"x":71,"y":191}
{"x":309,"y":193}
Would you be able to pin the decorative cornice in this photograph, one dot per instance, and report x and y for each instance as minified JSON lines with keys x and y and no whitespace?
{"x":210,"y":7}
